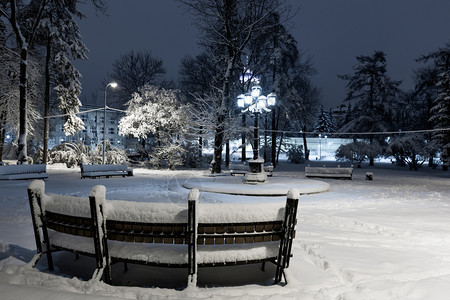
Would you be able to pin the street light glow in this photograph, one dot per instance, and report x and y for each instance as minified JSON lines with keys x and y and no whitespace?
{"x":255,"y":103}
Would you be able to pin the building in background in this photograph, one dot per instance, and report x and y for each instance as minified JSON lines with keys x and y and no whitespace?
{"x":92,"y":135}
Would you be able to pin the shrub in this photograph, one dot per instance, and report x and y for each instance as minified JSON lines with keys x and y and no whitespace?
{"x":411,"y":149}
{"x":295,"y":154}
{"x":357,"y":152}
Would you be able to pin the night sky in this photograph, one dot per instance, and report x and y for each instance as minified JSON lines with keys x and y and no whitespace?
{"x":331,"y":32}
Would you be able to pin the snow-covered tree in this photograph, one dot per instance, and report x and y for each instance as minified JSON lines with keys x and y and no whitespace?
{"x":325,"y":122}
{"x":24,"y":29}
{"x":274,"y":56}
{"x":24,"y":19}
{"x":440,"y":111}
{"x":158,"y":112}
{"x":227,"y":26}
{"x":9,"y":94}
{"x":372,"y":93}
{"x":66,"y":45}
{"x":412,"y":150}
{"x":197,"y":79}
{"x":357,"y":152}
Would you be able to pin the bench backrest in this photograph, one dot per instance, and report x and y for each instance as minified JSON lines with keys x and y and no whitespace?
{"x":103,"y":168}
{"x":325,"y":170}
{"x":72,"y":216}
{"x":22,"y":169}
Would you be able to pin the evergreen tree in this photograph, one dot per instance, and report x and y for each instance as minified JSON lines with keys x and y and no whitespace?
{"x":325,"y":122}
{"x":440,"y":111}
{"x":373,"y":94}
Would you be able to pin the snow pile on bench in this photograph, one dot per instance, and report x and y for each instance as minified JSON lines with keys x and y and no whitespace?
{"x":240,"y":213}
{"x":145,"y":212}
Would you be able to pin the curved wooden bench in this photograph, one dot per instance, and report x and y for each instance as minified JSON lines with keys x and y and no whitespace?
{"x":163,"y":234}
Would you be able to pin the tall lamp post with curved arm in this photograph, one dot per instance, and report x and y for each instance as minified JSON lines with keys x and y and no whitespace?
{"x":255,"y":103}
{"x":113,"y":85}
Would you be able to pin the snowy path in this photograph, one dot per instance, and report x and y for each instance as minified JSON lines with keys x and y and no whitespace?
{"x":382,"y":239}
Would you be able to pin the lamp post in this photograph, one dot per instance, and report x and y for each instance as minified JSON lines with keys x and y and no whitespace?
{"x":255,"y":103}
{"x":320,"y":146}
{"x":113,"y":85}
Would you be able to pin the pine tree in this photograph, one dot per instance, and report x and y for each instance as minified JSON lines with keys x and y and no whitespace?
{"x":325,"y":123}
{"x":440,"y":111}
{"x":373,"y":94}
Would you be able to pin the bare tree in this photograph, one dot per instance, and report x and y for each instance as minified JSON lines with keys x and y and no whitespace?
{"x":132,"y":71}
{"x":227,"y":26}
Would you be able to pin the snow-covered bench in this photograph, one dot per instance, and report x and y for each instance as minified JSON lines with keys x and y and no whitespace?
{"x":164,"y":234}
{"x":23,"y":172}
{"x":324,"y":172}
{"x":94,"y":171}
{"x":242,"y":169}
{"x":68,"y":223}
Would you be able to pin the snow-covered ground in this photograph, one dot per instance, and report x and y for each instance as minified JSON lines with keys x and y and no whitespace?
{"x":383,"y":239}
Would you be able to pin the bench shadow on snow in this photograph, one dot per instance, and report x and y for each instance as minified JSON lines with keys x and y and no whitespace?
{"x":67,"y":265}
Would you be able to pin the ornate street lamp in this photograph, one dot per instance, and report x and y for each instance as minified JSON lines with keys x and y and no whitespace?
{"x":255,"y":103}
{"x":113,"y":85}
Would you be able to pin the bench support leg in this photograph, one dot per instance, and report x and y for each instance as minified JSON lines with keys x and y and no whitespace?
{"x":287,"y":237}
{"x":192,"y":237}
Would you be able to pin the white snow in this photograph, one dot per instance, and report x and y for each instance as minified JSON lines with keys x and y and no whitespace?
{"x":388,"y":238}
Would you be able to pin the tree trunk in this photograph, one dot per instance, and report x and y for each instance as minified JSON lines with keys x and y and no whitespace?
{"x":200,"y":146}
{"x":244,"y":153}
{"x":218,"y":143}
{"x":47,"y":101}
{"x":23,"y":45}
{"x":279,"y":146}
{"x":22,"y":158}
{"x":2,"y":133}
{"x":305,"y":144}
{"x":274,"y":138}
{"x":371,"y":159}
{"x":220,"y":129}
{"x":265,"y":138}
{"x":227,"y":153}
